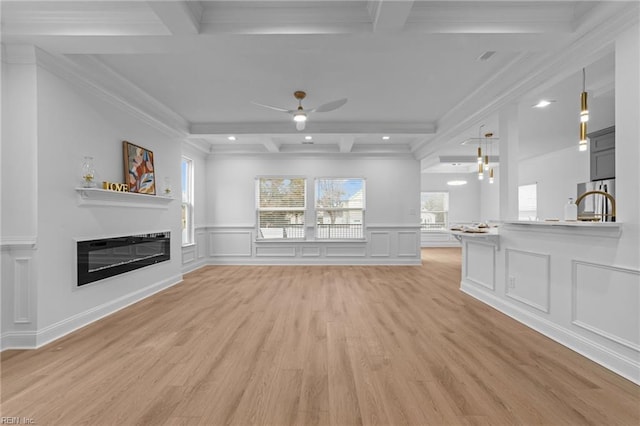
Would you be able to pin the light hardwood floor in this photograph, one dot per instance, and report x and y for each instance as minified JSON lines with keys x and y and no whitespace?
{"x":308,"y":345}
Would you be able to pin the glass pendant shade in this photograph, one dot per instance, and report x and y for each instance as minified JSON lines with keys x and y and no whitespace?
{"x":491,"y":175}
{"x":486,"y":162}
{"x":582,"y":145}
{"x":479,"y":155}
{"x":480,"y":172}
{"x":300,"y":116}
{"x":584,"y":110}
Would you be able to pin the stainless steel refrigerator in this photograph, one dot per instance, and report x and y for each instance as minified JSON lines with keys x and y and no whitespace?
{"x":597,"y":206}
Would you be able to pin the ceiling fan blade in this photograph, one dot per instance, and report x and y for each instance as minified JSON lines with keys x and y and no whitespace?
{"x":330,"y":106}
{"x":300,"y":125}
{"x":289,"y":111}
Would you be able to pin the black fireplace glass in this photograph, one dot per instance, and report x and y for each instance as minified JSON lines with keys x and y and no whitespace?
{"x":107,"y":257}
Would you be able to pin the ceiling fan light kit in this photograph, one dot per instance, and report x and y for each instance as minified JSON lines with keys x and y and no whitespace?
{"x":300,"y":115}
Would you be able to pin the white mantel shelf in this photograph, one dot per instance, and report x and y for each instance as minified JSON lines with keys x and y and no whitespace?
{"x":105,"y":198}
{"x":597,"y":229}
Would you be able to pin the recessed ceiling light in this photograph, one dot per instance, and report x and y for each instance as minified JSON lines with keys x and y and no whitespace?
{"x":543,"y":103}
{"x":308,"y":137}
{"x":232,"y":138}
{"x":386,"y":138}
{"x":457,"y":182}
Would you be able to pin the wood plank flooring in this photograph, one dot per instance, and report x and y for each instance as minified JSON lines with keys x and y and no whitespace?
{"x":307,"y":345}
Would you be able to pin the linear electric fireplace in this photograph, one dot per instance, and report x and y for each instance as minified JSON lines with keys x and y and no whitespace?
{"x":99,"y":259}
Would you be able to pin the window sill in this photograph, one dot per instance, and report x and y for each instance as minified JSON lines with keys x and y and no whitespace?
{"x":188,"y":245}
{"x":308,"y":241}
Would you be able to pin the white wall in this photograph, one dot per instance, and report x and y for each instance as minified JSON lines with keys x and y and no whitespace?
{"x":557,"y":175}
{"x":464,"y":200}
{"x":392,"y":184}
{"x":466,"y":203}
{"x":391,"y":218}
{"x":72,"y":123}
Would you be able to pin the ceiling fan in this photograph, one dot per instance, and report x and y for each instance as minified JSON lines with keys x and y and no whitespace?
{"x":300,"y":114}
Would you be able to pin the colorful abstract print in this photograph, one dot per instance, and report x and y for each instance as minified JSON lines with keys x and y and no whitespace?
{"x":141,"y":174}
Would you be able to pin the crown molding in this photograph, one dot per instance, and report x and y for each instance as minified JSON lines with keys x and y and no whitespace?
{"x":528,"y":71}
{"x":19,"y":54}
{"x":199,"y":145}
{"x":212,"y":129}
{"x":88,"y":72}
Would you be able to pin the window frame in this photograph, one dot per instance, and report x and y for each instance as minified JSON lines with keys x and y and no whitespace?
{"x":188,"y":227}
{"x":535,"y":216}
{"x":445,"y":226}
{"x":362,"y":209}
{"x":259,"y":231}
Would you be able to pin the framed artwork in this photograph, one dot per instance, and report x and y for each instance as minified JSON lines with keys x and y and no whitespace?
{"x":139,"y":173}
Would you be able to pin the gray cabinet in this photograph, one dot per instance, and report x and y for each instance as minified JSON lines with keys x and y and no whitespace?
{"x":603,"y":153}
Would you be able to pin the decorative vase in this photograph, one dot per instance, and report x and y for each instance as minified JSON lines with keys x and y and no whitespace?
{"x":88,"y":173}
{"x":168,"y":192}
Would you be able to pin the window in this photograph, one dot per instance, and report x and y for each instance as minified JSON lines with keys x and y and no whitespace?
{"x":340,"y":208}
{"x":434,"y":211}
{"x":281,"y":207}
{"x":528,"y":202}
{"x":187,"y":201}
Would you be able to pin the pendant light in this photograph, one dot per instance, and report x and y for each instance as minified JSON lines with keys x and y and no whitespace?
{"x":480,"y":145}
{"x":486,"y":150}
{"x":480,"y":171}
{"x":584,"y":115}
{"x":488,"y":135}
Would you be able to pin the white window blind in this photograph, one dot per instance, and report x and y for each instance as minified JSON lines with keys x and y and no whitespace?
{"x":340,"y":207}
{"x":281,"y":203}
{"x":434,"y":211}
{"x":528,"y":202}
{"x":187,"y":201}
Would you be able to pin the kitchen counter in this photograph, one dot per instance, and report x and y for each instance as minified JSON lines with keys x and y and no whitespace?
{"x":563,"y":280}
{"x":577,"y":228}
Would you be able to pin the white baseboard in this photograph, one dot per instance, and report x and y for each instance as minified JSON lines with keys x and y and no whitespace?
{"x":324,"y":261}
{"x":619,"y":364}
{"x":192,"y":266}
{"x":37,"y":339}
{"x":435,"y":244}
{"x":18,"y":340}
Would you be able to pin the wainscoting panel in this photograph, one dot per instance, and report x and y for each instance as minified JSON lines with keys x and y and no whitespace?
{"x":480,"y":266}
{"x":201,"y":245}
{"x":527,"y":278}
{"x":346,"y":251}
{"x":604,"y":299}
{"x":230,"y":243}
{"x":21,"y":312}
{"x":310,"y":251}
{"x":188,"y":254}
{"x":380,"y":244}
{"x":408,"y":245}
{"x":275,"y":251}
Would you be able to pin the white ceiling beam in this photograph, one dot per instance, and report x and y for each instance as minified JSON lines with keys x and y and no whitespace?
{"x":287,"y":127}
{"x":346,"y":143}
{"x":271,"y":145}
{"x":180,"y":17}
{"x":389,"y":15}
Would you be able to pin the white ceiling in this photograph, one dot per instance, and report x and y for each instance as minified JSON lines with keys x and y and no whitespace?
{"x":410,"y":69}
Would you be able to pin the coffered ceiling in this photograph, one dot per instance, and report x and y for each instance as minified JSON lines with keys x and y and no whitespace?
{"x":424,"y":73}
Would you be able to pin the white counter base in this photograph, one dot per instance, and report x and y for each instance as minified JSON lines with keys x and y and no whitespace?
{"x":565,"y":285}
